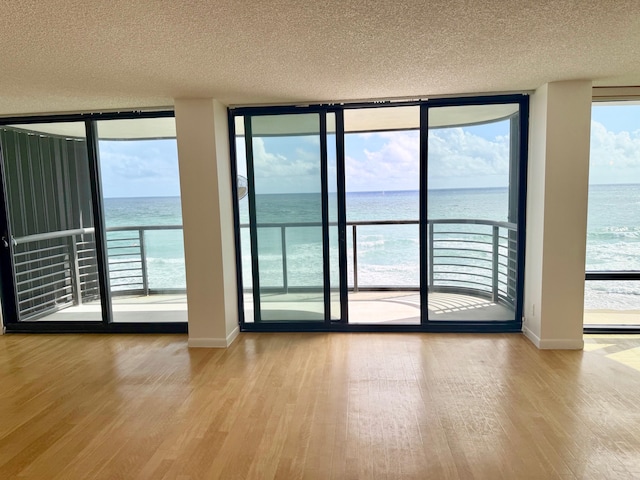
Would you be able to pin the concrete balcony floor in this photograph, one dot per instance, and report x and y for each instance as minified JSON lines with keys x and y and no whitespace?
{"x":388,"y":307}
{"x":391,"y":307}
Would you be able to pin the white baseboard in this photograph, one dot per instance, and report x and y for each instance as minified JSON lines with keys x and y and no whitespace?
{"x":214,"y":342}
{"x":531,"y":336}
{"x":553,"y":343}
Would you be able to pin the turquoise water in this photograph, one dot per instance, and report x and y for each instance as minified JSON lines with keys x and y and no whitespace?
{"x":387,"y":255}
{"x":164,"y":248}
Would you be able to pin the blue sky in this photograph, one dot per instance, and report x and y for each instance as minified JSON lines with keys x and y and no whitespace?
{"x":141,"y":168}
{"x":458,"y":158}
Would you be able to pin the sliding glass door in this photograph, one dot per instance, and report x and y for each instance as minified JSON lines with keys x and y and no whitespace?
{"x":382,"y":197}
{"x":288,"y":209}
{"x":49,"y":242}
{"x":473,"y":185}
{"x":63,"y":269}
{"x":398,"y":216}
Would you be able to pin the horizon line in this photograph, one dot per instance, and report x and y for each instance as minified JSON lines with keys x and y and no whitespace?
{"x":385,"y":191}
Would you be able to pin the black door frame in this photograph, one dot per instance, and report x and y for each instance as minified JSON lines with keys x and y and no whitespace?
{"x":255,"y":268}
{"x":7,"y":277}
{"x":425,"y":325}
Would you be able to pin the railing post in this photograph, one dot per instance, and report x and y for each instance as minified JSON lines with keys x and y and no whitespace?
{"x":430,"y":249}
{"x":512,"y":266}
{"x":143,"y":262}
{"x":355,"y":258}
{"x":495,"y":258}
{"x":75,"y":272}
{"x":283,"y":243}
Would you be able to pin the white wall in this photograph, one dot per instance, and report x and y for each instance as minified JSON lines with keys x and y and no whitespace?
{"x":557,"y":194}
{"x":207,"y":214}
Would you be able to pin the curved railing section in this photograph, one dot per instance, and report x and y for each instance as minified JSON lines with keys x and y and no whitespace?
{"x":465,"y":256}
{"x":59,"y":269}
{"x":478,"y":257}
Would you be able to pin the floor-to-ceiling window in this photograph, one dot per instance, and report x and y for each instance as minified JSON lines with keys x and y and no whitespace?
{"x":473,"y":211}
{"x":49,"y":235}
{"x":91,"y":224}
{"x":143,"y":219}
{"x":382,"y":194}
{"x":285,"y":220}
{"x":612,"y":287}
{"x":405,"y":215}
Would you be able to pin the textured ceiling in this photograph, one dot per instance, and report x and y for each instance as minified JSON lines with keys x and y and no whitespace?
{"x":79,"y":55}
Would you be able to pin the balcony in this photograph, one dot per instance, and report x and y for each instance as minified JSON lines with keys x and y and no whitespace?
{"x":57,"y":277}
{"x":470,"y":269}
{"x":470,"y":264}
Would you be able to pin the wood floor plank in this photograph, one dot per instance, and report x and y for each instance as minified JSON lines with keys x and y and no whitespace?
{"x":317,"y":406}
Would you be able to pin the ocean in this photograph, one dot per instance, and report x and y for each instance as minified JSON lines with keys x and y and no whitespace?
{"x":388,"y":255}
{"x":164,"y":248}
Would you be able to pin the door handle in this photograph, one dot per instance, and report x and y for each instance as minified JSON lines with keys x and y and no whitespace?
{"x":5,"y":242}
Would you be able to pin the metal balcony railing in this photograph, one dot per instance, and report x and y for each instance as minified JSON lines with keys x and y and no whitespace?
{"x":55,"y":270}
{"x":59,"y":269}
{"x":476,"y":257}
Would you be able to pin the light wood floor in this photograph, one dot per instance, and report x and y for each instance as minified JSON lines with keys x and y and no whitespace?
{"x":342,"y":406}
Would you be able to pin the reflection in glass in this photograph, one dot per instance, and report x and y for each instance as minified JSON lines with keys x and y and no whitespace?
{"x":50,"y":215}
{"x":245,"y":232}
{"x":332,"y":187}
{"x":288,"y":215}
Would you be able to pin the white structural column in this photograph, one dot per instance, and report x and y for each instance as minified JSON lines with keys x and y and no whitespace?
{"x":207,"y":215}
{"x":557,"y":194}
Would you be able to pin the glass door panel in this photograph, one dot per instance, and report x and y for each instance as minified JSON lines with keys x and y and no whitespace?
{"x":333,"y":209}
{"x":286,"y":206}
{"x":472,"y":212}
{"x":382,"y":165}
{"x":244,"y":219}
{"x":50,"y":232}
{"x":385,"y":215}
{"x":143,"y":219}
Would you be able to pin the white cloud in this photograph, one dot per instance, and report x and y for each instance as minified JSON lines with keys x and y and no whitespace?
{"x":140,"y":168}
{"x":616,"y":151}
{"x":305,"y":163}
{"x":455,"y":152}
{"x":388,"y":161}
{"x":130,"y":166}
{"x":456,"y":158}
{"x":394,"y":166}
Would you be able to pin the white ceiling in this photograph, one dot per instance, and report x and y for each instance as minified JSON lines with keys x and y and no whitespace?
{"x":78,"y":55}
